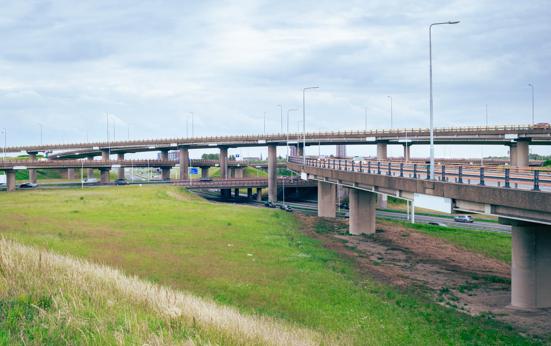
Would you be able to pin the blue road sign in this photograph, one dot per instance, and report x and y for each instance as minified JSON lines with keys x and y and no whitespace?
{"x":194,"y":170}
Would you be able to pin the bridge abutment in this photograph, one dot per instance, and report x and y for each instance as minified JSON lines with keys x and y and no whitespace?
{"x":362,"y":211}
{"x":184,"y":163}
{"x":272,"y":173}
{"x":530,"y":265}
{"x":327,"y":203}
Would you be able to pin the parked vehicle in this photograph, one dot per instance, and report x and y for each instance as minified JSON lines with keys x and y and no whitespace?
{"x":464,"y":219}
{"x":28,"y":186}
{"x":440,"y":224}
{"x":269,"y":204}
{"x":121,"y":182}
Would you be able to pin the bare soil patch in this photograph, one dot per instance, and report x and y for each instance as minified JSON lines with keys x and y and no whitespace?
{"x":454,"y":277}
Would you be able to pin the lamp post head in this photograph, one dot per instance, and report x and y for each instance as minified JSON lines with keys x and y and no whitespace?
{"x":454,"y":22}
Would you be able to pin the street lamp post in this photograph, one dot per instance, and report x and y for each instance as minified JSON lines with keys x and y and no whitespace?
{"x":390,"y":97}
{"x":431,"y":103}
{"x":532,"y":87}
{"x":304,"y":121}
{"x":281,"y":109}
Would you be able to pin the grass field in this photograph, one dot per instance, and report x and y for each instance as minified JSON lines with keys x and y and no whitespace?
{"x":251,"y":258}
{"x":491,"y":244}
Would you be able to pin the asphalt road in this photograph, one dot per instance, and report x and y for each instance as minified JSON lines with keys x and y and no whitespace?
{"x":310,"y":208}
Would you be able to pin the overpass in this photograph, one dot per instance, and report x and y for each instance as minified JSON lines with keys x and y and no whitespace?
{"x":526,"y":207}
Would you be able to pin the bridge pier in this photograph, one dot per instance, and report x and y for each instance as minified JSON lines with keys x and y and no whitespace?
{"x":300,"y":150}
{"x":236,"y":193}
{"x":272,"y":173}
{"x":204,"y":172}
{"x":105,"y":154}
{"x":10,"y":180}
{"x":120,"y":172}
{"x":531,"y":264}
{"x":32,"y":171}
{"x":362,"y":211}
{"x":407,"y":152}
{"x":165,"y":173}
{"x":249,"y":192}
{"x":90,"y":171}
{"x":238,"y":172}
{"x":519,"y":154}
{"x":184,"y":163}
{"x":231,"y":173}
{"x":382,"y":201}
{"x":70,"y":173}
{"x":382,"y":153}
{"x":104,"y":175}
{"x":223,"y":162}
{"x":340,"y":151}
{"x":327,"y":203}
{"x":259,"y":194}
{"x":164,"y":155}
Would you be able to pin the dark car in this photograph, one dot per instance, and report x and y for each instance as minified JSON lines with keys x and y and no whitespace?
{"x":285,"y":207}
{"x":269,"y":204}
{"x":121,"y":182}
{"x":440,"y":224}
{"x":28,"y":186}
{"x":464,"y":219}
{"x":205,"y":179}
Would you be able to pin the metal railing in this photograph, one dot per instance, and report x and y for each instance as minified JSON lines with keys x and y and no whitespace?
{"x":516,"y":178}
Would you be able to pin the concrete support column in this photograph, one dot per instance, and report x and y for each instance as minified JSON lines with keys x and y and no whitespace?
{"x":259,"y":194}
{"x":382,"y":151}
{"x":32,"y":171}
{"x":90,"y":171}
{"x":105,"y":154}
{"x":70,"y":173}
{"x":223,"y":162}
{"x":164,"y":155}
{"x":531,"y":265}
{"x":238,"y":172}
{"x":407,"y":152}
{"x":522,"y":154}
{"x":382,"y":201}
{"x":236,"y":193}
{"x":184,"y":163}
{"x":120,"y":171}
{"x":10,"y":180}
{"x":327,"y":201}
{"x":340,"y":151}
{"x":165,"y":173}
{"x":104,"y":175}
{"x":204,"y":172}
{"x":249,"y":192}
{"x":513,"y":155}
{"x":272,"y":173}
{"x":231,"y":172}
{"x":362,"y":211}
{"x":300,"y":150}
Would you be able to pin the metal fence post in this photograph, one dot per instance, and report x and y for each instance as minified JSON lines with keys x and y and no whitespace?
{"x":428,"y":172}
{"x":389,"y":170}
{"x":401,"y":169}
{"x":378,"y":167}
{"x":369,"y":167}
{"x":507,"y":183}
{"x":482,"y":176}
{"x":414,"y":171}
{"x":536,"y":180}
{"x":460,"y":178}
{"x":444,"y":173}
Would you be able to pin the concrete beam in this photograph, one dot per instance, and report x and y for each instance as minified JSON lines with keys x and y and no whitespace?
{"x":184,"y":163}
{"x":531,"y":265}
{"x":382,"y":151}
{"x":120,"y":171}
{"x":223,"y":162}
{"x":104,"y":175}
{"x":272,"y":173}
{"x":10,"y":180}
{"x":327,"y":201}
{"x":362,"y":211}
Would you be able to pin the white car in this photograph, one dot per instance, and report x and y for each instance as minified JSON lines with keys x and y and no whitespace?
{"x":89,"y":181}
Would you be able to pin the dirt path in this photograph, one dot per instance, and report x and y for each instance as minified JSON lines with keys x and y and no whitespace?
{"x":454,"y":277}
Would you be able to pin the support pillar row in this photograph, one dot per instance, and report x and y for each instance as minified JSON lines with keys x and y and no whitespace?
{"x":272,"y":173}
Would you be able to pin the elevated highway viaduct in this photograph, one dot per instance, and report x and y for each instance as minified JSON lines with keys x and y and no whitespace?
{"x":526,"y":208}
{"x":516,"y":137}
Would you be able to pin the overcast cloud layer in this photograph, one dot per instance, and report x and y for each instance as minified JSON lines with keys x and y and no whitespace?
{"x":64,"y":64}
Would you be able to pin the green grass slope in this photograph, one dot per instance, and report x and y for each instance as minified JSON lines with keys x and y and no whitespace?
{"x":251,"y":258}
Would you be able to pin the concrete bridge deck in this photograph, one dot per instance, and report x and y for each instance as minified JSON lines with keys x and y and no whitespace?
{"x":527,"y":211}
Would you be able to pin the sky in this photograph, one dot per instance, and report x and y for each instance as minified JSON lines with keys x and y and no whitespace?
{"x":65,"y":65}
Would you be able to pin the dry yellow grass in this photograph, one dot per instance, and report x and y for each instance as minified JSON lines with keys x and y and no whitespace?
{"x":71,"y":282}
